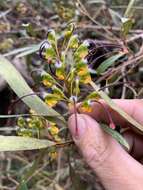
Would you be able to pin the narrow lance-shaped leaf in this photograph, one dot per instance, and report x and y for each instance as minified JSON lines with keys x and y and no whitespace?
{"x":20,"y":51}
{"x":108,"y":62}
{"x":116,"y":108}
{"x":21,"y":88}
{"x":129,"y":10}
{"x":14,"y":143}
{"x":29,"y":51}
{"x":115,"y":135}
{"x":23,"y":186}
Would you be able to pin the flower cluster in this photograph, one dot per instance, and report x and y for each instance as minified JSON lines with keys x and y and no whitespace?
{"x":34,"y":126}
{"x":54,"y":131}
{"x":66,"y":74}
{"x":31,"y":126}
{"x":69,"y":66}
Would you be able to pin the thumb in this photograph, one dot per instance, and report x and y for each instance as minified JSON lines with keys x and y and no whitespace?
{"x":103,"y":154}
{"x":94,"y":144}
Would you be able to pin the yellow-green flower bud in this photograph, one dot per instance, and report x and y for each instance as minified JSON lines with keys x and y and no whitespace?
{"x":47,"y":79}
{"x":93,"y":96}
{"x":50,"y":53}
{"x":51,"y":99}
{"x":60,"y":70}
{"x":24,"y":132}
{"x":35,"y":122}
{"x":21,"y":122}
{"x":82,"y":51}
{"x":86,"y":106}
{"x":69,"y":30}
{"x":73,"y":42}
{"x":52,"y":37}
{"x":58,"y":92}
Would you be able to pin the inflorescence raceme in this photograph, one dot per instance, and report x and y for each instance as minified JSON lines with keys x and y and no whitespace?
{"x":67,"y":75}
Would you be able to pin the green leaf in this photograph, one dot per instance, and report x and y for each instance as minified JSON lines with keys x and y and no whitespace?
{"x":21,"y":88}
{"x":23,"y":186}
{"x":129,"y":10}
{"x":115,"y":135}
{"x":29,"y":51}
{"x":108,"y":62}
{"x":23,"y":51}
{"x":15,"y":143}
{"x":116,"y":108}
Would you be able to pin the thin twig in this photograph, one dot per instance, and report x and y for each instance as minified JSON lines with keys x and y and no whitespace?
{"x":76,"y":123}
{"x":85,"y":12}
{"x":114,"y":28}
{"x":123,"y":96}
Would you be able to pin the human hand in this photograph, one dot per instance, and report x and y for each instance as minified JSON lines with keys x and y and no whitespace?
{"x":112,"y":164}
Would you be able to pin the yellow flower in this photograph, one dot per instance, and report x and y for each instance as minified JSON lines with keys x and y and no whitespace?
{"x":86,"y":79}
{"x":47,"y":83}
{"x":30,"y":123}
{"x":60,"y":70}
{"x":53,"y":155}
{"x":47,"y":79}
{"x":86,"y":107}
{"x":82,"y":51}
{"x":57,"y":139}
{"x":51,"y":99}
{"x":61,"y":77}
{"x":70,"y":105}
{"x":51,"y":102}
{"x":83,"y":54}
{"x":82,"y":71}
{"x":54,"y":130}
{"x":60,"y":74}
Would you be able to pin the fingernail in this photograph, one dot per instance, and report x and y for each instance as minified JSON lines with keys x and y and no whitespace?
{"x":78,"y":128}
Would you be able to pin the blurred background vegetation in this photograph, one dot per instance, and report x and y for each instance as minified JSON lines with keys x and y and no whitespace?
{"x":25,"y":23}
